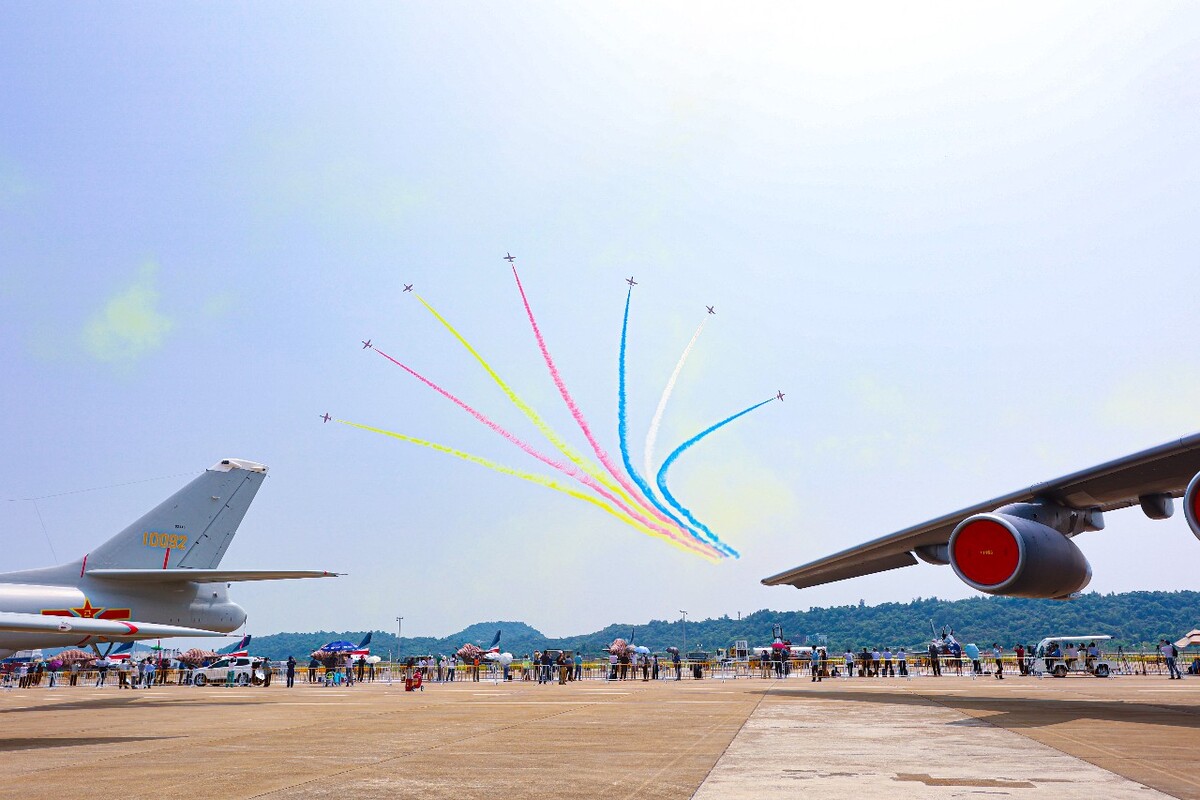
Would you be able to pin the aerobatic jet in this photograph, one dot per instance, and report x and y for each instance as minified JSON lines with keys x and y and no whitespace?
{"x":509,"y":257}
{"x":1020,"y":544}
{"x":779,"y":395}
{"x":710,"y":310}
{"x":326,"y":416}
{"x":631,"y":281}
{"x":366,"y":344}
{"x":157,"y":578}
{"x":407,"y":288}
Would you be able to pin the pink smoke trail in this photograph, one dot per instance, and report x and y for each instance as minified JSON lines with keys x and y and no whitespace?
{"x":578,"y":415}
{"x":673,"y":534}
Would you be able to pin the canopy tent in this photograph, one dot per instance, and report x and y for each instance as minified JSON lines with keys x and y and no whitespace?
{"x":1190,"y":639}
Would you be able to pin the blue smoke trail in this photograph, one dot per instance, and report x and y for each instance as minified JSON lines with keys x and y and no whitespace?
{"x":623,"y":433}
{"x":662,"y":477}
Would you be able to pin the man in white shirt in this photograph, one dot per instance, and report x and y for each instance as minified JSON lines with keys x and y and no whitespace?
{"x":887,"y":664}
{"x":902,"y":662}
{"x":848,"y":657}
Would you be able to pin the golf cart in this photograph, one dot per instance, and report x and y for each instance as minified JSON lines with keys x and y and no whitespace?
{"x":1053,"y":657}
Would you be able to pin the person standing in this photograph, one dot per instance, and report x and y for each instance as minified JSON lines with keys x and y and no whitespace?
{"x":998,"y":654}
{"x":814,"y":660}
{"x":1169,"y":655}
{"x":291,"y":671}
{"x":578,"y":676}
{"x":678,"y":665}
{"x":935,"y":663}
{"x":902,"y":662}
{"x":888,"y":670}
{"x":101,"y":671}
{"x":973,"y":653}
{"x":848,"y":658}
{"x":564,"y":668}
{"x":1019,"y":652}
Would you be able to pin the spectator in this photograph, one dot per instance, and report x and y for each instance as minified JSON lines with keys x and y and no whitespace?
{"x":814,"y":659}
{"x":998,"y":654}
{"x":1019,"y":652}
{"x":678,"y":665}
{"x":973,"y":653}
{"x":848,"y":657}
{"x":902,"y":662}
{"x":935,"y":663}
{"x":888,"y":670}
{"x":1170,"y":653}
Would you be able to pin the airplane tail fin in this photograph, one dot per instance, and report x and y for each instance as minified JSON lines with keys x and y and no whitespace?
{"x":495,"y":642}
{"x":124,"y":648}
{"x":366,"y":640}
{"x":239,"y":647}
{"x":191,"y":528}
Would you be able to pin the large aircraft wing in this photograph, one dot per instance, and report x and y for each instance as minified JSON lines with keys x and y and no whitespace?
{"x":110,"y":629}
{"x":206,"y":575}
{"x":1165,"y":469}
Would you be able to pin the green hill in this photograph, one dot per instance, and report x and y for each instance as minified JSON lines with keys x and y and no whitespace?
{"x":1134,"y":619}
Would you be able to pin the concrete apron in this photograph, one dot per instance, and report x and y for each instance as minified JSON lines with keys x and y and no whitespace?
{"x":793,"y":742}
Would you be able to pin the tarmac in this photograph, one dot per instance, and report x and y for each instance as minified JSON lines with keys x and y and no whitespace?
{"x":1124,"y":737}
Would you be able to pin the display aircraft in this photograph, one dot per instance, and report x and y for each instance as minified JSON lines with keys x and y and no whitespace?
{"x":366,"y":344}
{"x":509,"y":257}
{"x":407,"y":288}
{"x":242,"y":648}
{"x":779,"y":395}
{"x":155,"y":579}
{"x":1020,"y":544}
{"x":711,"y":310}
{"x":631,"y":281}
{"x":326,"y":416}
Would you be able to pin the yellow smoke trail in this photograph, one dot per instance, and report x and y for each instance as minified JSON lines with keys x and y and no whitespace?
{"x":551,"y":435}
{"x":540,"y":480}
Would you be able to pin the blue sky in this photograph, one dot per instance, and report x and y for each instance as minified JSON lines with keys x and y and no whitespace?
{"x":962,"y":240}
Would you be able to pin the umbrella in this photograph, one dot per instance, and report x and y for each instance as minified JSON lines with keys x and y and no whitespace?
{"x":642,"y":650}
{"x":1192,"y":638}
{"x":338,"y":647}
{"x":673,"y":650}
{"x":778,"y":646}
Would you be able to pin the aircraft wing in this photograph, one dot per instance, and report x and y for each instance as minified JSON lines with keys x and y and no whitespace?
{"x":1165,"y":469}
{"x":14,"y":622}
{"x":205,"y":575}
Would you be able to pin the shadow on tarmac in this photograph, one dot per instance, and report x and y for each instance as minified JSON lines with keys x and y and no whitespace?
{"x":11,"y":745}
{"x":1017,"y":712}
{"x":120,"y":701}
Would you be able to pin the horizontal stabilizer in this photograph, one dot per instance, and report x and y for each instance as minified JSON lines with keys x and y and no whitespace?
{"x":108,"y":629}
{"x":206,"y":575}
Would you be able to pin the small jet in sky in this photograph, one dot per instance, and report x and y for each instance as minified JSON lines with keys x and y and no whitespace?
{"x":711,"y":310}
{"x":407,"y":288}
{"x":509,"y":257}
{"x":366,"y":344}
{"x":326,"y":416}
{"x":779,"y":395}
{"x":631,"y":281}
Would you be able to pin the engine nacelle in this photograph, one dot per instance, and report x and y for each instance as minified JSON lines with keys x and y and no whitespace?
{"x":1007,"y":555}
{"x":1191,"y":505}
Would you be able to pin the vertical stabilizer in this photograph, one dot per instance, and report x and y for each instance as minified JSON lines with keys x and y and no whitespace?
{"x":192,"y":528}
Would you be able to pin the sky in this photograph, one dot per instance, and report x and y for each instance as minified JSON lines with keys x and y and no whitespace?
{"x":961,"y":238}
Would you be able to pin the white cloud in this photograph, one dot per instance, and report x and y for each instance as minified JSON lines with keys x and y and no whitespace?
{"x":130,"y":325}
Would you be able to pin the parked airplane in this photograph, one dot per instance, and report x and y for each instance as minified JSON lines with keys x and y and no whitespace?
{"x":161,"y":571}
{"x":241,"y":648}
{"x":631,"y":281}
{"x":407,"y":288}
{"x":1020,"y":544}
{"x":493,"y":653}
{"x":711,"y":310}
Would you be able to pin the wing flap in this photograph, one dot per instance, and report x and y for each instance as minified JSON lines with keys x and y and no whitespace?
{"x":205,"y":575}
{"x":15,"y":622}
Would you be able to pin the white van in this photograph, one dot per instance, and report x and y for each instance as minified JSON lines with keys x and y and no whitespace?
{"x":1062,"y":664}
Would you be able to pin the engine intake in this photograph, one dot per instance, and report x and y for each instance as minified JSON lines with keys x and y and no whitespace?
{"x":1007,"y":555}
{"x":1191,"y":505}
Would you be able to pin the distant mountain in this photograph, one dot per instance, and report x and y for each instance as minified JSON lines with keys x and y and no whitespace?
{"x":1133,"y":618}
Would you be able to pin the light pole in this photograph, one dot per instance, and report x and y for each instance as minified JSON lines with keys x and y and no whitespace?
{"x":399,"y":633}
{"x":681,"y":611}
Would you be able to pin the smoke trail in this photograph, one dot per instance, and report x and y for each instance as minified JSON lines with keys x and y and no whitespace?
{"x":637,"y":513}
{"x":623,"y":428}
{"x":550,"y":434}
{"x":652,"y":433}
{"x":678,"y":451}
{"x":540,"y":480}
{"x":601,"y":454}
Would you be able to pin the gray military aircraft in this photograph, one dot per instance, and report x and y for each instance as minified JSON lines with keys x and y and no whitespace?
{"x":155,"y":579}
{"x":1019,"y":545}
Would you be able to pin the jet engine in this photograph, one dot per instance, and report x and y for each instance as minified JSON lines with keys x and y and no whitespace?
{"x":1008,"y":555}
{"x":1191,"y":505}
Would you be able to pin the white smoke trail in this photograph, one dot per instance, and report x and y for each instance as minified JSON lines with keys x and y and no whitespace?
{"x":652,"y":434}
